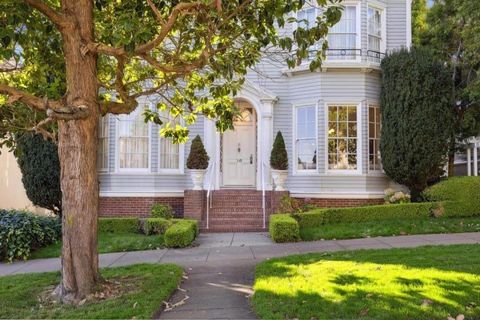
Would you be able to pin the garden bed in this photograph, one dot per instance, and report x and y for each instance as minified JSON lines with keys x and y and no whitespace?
{"x":421,"y":283}
{"x":141,"y":291}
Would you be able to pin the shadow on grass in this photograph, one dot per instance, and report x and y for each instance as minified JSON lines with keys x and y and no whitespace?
{"x":420,"y":283}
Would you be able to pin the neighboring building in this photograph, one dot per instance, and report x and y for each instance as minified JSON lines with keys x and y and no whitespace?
{"x":330,"y":120}
{"x":468,"y":163}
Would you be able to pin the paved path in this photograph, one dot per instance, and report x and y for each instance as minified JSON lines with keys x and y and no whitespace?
{"x":220,"y":268}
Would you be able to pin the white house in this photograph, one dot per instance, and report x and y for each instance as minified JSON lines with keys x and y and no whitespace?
{"x":329,"y":118}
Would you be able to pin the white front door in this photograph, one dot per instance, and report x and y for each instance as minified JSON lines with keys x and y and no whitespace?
{"x":239,"y":154}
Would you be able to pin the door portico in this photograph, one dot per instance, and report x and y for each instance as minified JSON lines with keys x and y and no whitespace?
{"x":261,"y":102}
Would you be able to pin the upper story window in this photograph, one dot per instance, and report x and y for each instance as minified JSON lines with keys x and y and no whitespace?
{"x":307,"y":17}
{"x":343,"y":38}
{"x":376,"y":46}
{"x":306,"y":138}
{"x":133,"y":141}
{"x":170,"y":154}
{"x":342,"y":137}
{"x":103,"y":140}
{"x":374,"y":138}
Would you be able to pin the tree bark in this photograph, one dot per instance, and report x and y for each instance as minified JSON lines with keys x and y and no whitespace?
{"x":77,"y":149}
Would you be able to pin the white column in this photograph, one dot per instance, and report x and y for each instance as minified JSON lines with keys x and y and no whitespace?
{"x":266,"y":141}
{"x":475,"y":158}
{"x":469,"y":163}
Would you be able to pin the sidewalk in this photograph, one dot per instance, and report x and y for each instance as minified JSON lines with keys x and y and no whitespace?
{"x":225,"y":248}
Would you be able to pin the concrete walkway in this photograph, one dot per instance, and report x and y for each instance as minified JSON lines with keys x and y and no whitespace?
{"x":220,"y":267}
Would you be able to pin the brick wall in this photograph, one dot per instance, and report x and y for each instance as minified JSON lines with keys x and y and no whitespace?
{"x":339,"y":203}
{"x":136,"y":206}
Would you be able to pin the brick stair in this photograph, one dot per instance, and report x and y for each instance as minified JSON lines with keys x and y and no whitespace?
{"x":236,"y":211}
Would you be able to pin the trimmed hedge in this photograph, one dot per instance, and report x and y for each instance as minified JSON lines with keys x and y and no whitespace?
{"x":181,"y":233}
{"x":118,"y":225}
{"x":155,"y":225}
{"x":319,"y":217}
{"x":283,"y":228}
{"x":160,"y":210}
{"x":22,"y":232}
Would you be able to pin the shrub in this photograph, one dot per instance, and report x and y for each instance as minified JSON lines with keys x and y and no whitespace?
{"x":118,"y":225}
{"x":22,"y":232}
{"x":181,"y":233}
{"x":162,"y":211}
{"x":40,"y":167}
{"x":318,"y":217}
{"x":279,"y":156}
{"x":283,"y":228}
{"x":198,"y":157}
{"x":292,"y":205}
{"x":394,"y":197}
{"x":417,"y":118}
{"x":155,"y":225}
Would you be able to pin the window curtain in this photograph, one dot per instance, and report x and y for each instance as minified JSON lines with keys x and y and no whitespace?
{"x":133,"y":140}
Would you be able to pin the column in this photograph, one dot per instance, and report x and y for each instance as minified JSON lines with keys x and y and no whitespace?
{"x":475,"y":158}
{"x":266,"y":142}
{"x":469,"y":164}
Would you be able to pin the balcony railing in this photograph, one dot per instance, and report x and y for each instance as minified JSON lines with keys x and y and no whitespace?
{"x":351,"y":55}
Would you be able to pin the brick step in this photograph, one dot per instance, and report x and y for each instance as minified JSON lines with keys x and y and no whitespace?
{"x":236,"y":223}
{"x":232,"y":229}
{"x":236,"y":215}
{"x":238,"y":203}
{"x":239,"y":209}
{"x":236,"y":192}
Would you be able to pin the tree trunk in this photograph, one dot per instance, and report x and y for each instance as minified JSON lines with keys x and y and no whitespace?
{"x":77,"y":149}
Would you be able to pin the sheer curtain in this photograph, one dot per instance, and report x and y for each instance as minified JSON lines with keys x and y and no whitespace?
{"x":133,"y":140}
{"x":169,"y":157}
{"x":342,"y":37}
{"x":103,"y":138}
{"x":342,"y":137}
{"x":306,"y":140}
{"x":374,"y":29}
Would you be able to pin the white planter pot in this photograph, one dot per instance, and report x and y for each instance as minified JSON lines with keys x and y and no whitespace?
{"x":197,"y":178}
{"x":279,"y":177}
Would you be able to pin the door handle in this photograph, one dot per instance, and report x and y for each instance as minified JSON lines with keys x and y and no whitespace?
{"x":251,"y":159}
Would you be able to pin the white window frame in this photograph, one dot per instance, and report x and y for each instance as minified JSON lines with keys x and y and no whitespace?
{"x":117,"y":151}
{"x":383,"y":11}
{"x":295,"y":171}
{"x":380,"y":169}
{"x":358,"y":19}
{"x":357,"y":171}
{"x":107,"y":139}
{"x":181,"y":158}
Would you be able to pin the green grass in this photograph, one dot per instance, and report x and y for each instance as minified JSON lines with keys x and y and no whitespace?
{"x":420,"y":283}
{"x":108,"y":242}
{"x":147,"y":286}
{"x":390,"y":227}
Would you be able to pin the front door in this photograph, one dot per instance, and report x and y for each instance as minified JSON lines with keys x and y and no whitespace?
{"x":239,"y":151}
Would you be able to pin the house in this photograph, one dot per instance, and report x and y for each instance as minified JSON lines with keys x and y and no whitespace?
{"x":467,"y":162}
{"x":330,"y":120}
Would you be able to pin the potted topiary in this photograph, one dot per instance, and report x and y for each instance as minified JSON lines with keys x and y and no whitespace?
{"x":197,"y":162}
{"x":279,"y":162}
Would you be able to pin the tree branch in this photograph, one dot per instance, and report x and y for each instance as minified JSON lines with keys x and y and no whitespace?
{"x":57,"y":18}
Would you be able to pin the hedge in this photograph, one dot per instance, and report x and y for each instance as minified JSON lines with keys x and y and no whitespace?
{"x":21,"y":232}
{"x":155,"y":225}
{"x":283,"y":228}
{"x":181,"y":233}
{"x":319,"y":217}
{"x":118,"y":225}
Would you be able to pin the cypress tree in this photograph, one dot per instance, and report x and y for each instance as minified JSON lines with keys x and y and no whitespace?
{"x":279,"y":156}
{"x":417,"y":118}
{"x":198,"y":157}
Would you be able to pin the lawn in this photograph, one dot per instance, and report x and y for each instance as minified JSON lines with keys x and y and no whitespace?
{"x":390,"y":227}
{"x":145,"y":287}
{"x":108,"y":242}
{"x":420,"y":283}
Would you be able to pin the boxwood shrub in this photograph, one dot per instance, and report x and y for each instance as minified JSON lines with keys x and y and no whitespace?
{"x":318,"y":217}
{"x":22,"y":232}
{"x":118,"y":225}
{"x":181,"y":233}
{"x":283,"y":228}
{"x":155,"y":225}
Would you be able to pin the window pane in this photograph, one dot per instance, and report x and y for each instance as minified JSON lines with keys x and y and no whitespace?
{"x":306,"y":143}
{"x":342,"y":137}
{"x":374,"y":138}
{"x":343,"y":35}
{"x":133,"y":140}
{"x":103,"y":138}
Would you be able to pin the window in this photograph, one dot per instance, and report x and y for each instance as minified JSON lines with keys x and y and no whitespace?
{"x":342,"y":137}
{"x":374,"y":138}
{"x":342,"y":37}
{"x":169,"y":157}
{"x":102,"y":154}
{"x":375,"y":41}
{"x":306,"y":138}
{"x":133,"y":141}
{"x":307,"y":18}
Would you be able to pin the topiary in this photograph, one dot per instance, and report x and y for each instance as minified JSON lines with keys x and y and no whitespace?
{"x":279,"y":156}
{"x":38,"y":161}
{"x":198,"y":157}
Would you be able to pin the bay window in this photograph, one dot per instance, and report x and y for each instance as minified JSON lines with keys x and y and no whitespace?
{"x":133,"y":141}
{"x":306,"y":138}
{"x":342,"y":137}
{"x":103,"y":140}
{"x":343,"y":36}
{"x":374,"y":138}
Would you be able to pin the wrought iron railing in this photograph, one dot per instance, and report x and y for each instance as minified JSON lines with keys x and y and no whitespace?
{"x":351,"y":54}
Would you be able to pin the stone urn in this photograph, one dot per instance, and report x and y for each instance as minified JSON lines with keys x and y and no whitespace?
{"x":197,"y":176}
{"x":279,"y":178}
